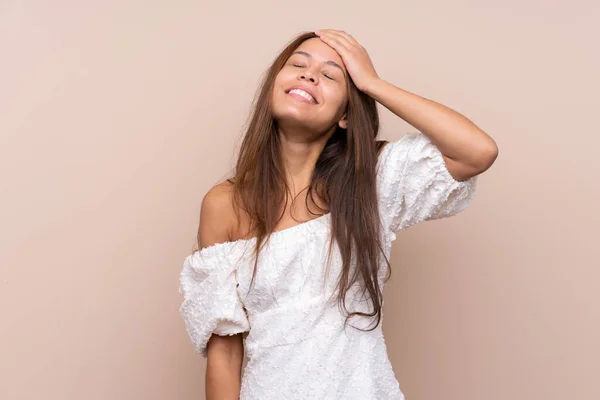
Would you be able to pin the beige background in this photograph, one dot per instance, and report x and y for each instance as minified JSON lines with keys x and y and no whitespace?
{"x":117,"y":116}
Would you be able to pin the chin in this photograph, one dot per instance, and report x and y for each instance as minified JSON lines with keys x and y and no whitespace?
{"x":290,"y":113}
{"x":294,"y":121}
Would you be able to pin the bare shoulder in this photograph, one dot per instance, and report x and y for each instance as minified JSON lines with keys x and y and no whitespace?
{"x":216,"y":215}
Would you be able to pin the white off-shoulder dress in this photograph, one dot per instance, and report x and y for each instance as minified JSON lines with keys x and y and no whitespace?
{"x":296,"y":345}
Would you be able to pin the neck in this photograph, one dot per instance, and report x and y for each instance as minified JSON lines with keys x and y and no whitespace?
{"x":299,"y":153}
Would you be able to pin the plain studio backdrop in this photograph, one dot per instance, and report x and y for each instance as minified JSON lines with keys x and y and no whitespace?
{"x":116,"y":117}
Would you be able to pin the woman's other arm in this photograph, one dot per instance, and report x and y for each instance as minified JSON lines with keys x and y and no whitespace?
{"x":224,"y":367}
{"x":467,"y":150}
{"x":225,"y":353}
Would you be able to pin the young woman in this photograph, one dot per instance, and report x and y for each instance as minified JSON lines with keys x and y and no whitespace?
{"x":294,"y":249}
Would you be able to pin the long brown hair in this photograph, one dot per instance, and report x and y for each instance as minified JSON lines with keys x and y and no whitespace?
{"x":344,"y":178}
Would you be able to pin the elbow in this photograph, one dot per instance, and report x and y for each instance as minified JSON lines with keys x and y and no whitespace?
{"x":486,"y":156}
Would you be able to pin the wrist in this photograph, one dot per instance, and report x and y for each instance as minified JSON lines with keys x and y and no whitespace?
{"x":373,"y":87}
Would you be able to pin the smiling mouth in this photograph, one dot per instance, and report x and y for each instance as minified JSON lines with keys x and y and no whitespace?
{"x":302,"y":95}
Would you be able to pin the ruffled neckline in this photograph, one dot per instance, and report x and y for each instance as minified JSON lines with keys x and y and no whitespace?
{"x":303,"y":227}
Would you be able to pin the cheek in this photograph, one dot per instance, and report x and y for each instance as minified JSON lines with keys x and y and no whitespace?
{"x":282,"y":80}
{"x":285,"y":75}
{"x":337,"y":98}
{"x":277,"y":85}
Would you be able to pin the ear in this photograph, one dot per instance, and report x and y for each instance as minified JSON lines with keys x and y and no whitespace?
{"x":343,"y":123}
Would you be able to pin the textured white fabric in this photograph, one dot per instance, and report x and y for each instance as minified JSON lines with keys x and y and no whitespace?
{"x":296,"y":345}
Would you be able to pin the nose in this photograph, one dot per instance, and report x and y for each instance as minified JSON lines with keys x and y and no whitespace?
{"x":307,"y":75}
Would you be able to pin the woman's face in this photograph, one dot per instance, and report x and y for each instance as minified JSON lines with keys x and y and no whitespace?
{"x":310,"y":90}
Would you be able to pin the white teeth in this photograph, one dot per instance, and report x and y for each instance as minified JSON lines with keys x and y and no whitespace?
{"x":304,"y":94}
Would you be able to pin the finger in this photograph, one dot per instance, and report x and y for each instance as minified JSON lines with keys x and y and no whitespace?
{"x":351,"y":47}
{"x":336,"y":43}
{"x":334,"y":39}
{"x":345,"y":35}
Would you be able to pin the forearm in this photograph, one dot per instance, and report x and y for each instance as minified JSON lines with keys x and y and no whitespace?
{"x":223,"y":373}
{"x":453,"y":134}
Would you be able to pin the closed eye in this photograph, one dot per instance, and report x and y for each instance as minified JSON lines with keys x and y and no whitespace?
{"x":324,"y":73}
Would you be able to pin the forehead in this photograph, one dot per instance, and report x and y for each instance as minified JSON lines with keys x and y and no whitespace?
{"x":320,"y":51}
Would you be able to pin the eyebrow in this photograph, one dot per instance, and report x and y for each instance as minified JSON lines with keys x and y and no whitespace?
{"x":333,"y":63}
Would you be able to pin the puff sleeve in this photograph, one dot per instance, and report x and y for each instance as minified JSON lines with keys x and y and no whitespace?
{"x":211,"y":303}
{"x":414,"y":184}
